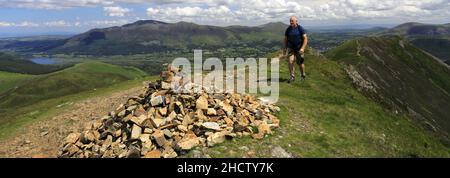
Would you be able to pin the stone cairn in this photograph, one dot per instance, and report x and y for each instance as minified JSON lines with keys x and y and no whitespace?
{"x":163,"y":123}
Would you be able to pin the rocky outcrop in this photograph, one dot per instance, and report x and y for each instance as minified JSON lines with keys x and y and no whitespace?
{"x":360,"y":82}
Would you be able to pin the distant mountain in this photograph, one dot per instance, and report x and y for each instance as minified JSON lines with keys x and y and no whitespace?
{"x":438,"y":47}
{"x":150,"y":36}
{"x":147,"y":36}
{"x":400,"y":76}
{"x":144,"y":22}
{"x":434,"y":39}
{"x":36,"y":38}
{"x":33,"y":34}
{"x":417,"y":30}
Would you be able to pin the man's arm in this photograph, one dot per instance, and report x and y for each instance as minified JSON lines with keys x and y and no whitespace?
{"x":305,"y":42}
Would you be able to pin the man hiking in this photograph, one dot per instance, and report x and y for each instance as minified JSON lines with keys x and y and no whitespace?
{"x":295,"y":41}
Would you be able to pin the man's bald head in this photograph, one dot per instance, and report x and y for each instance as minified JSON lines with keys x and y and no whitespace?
{"x":293,"y":21}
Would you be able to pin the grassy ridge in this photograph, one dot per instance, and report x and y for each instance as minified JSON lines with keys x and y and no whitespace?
{"x":326,"y":117}
{"x":10,"y":80}
{"x":406,"y":79}
{"x":81,"y":77}
{"x":42,"y":96}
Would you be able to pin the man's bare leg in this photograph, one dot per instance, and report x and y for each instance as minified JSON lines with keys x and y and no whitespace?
{"x":291,"y":67}
{"x":302,"y":69}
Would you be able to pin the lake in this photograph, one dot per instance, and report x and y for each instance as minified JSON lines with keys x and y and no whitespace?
{"x":43,"y":60}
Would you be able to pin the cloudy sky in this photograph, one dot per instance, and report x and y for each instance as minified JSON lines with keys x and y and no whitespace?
{"x":80,"y":15}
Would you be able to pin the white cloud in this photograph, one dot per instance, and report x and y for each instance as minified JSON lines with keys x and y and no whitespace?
{"x":65,"y":24}
{"x":254,"y":12}
{"x":261,"y":11}
{"x":105,"y":23}
{"x":116,"y":11}
{"x":208,"y":15}
{"x":27,"y":24}
{"x":5,"y":24}
{"x":20,"y":24}
{"x":58,"y":23}
{"x":53,"y":4}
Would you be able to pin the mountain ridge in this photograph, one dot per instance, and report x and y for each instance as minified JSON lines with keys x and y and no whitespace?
{"x":400,"y":76}
{"x":156,"y":36}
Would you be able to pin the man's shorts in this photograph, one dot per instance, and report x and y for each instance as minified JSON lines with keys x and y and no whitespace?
{"x":299,"y":58}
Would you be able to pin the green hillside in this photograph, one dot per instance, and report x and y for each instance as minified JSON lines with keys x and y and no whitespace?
{"x":10,"y":80}
{"x":15,"y":64}
{"x":81,"y":77}
{"x":325,"y":116}
{"x":401,"y":77}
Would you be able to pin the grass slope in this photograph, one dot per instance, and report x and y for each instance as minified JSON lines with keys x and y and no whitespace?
{"x":10,"y":80}
{"x":405,"y":78}
{"x":82,"y":77}
{"x":325,"y":116}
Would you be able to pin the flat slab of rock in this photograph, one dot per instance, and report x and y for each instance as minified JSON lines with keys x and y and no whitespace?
{"x":136,"y":132}
{"x":211,"y":125}
{"x":279,"y":152}
{"x":202,"y":102}
{"x":188,"y":142}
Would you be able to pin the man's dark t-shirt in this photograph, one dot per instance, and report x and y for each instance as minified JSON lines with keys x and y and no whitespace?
{"x":295,"y":37}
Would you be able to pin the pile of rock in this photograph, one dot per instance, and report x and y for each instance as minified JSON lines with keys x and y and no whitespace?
{"x":163,"y":123}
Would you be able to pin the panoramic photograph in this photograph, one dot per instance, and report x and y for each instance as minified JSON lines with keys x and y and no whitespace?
{"x":224,"y":79}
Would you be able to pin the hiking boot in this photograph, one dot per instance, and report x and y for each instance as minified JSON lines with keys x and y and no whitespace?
{"x":303,"y":77}
{"x":291,"y":79}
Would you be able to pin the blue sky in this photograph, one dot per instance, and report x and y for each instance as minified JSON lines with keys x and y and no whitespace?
{"x":47,"y":16}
